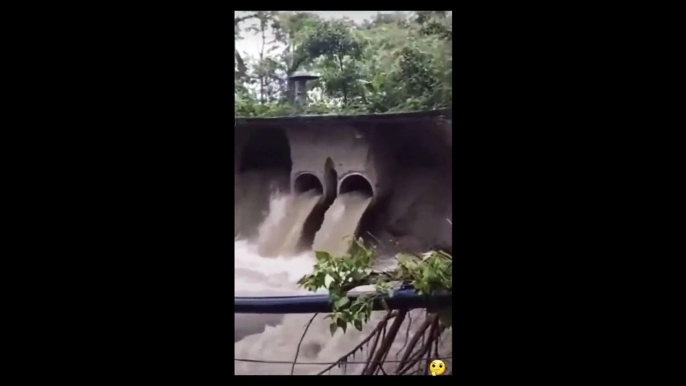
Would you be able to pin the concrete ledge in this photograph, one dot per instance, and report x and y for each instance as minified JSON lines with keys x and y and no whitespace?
{"x":362,"y":118}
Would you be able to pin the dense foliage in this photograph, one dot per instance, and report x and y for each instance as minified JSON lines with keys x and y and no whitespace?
{"x":395,"y":62}
{"x":429,"y":274}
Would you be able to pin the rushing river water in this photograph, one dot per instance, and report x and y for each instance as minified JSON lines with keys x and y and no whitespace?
{"x":270,"y":266}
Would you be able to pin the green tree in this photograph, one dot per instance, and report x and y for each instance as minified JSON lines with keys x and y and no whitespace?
{"x":333,"y":44}
{"x":390,"y":63}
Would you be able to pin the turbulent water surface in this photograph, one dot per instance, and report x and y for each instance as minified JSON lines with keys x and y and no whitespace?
{"x":270,"y":266}
{"x":340,"y":222}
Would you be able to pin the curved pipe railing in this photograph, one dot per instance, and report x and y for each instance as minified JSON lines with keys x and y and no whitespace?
{"x":308,"y":304}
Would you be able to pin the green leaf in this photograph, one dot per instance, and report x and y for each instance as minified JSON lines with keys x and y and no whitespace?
{"x":328,"y":279}
{"x":341,"y":302}
{"x":333,"y":327}
{"x":344,"y":316}
{"x":322,"y":256}
{"x":358,"y":324}
{"x":342,"y":324}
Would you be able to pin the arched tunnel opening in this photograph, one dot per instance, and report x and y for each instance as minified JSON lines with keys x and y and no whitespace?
{"x":306,"y":182}
{"x":267,"y":149}
{"x":356,"y":183}
{"x":316,"y":218}
{"x":264,"y":168}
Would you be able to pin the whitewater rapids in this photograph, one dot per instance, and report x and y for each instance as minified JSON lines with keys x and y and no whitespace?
{"x":276,"y":337}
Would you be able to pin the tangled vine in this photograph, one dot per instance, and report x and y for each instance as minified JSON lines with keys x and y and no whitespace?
{"x":429,"y":274}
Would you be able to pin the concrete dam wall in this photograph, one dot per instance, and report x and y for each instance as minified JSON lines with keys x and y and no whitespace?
{"x":393,"y":170}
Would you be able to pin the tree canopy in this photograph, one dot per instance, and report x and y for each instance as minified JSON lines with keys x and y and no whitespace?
{"x":394,"y":62}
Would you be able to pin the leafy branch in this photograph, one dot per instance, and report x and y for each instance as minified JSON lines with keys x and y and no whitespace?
{"x":429,"y":274}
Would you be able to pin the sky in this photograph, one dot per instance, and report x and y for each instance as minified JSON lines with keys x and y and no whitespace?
{"x":250,"y":44}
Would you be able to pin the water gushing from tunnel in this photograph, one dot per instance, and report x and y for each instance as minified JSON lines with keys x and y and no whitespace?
{"x":281,"y":220}
{"x":281,"y":231}
{"x":277,"y":337}
{"x":342,"y":219}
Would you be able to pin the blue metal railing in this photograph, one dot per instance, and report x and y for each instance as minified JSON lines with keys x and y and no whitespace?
{"x":308,"y":304}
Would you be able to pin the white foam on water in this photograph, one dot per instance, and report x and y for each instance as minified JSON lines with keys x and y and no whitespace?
{"x":340,"y":223}
{"x":275,"y":272}
{"x":270,"y":340}
{"x":280,"y":232}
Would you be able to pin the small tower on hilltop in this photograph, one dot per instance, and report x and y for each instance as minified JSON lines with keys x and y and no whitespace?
{"x":299,"y":80}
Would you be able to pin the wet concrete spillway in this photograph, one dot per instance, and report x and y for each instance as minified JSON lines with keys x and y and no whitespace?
{"x":400,"y":163}
{"x":311,"y":183}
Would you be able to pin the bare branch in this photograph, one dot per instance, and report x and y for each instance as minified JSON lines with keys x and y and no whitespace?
{"x":420,"y":332}
{"x":367,"y":339}
{"x":301,"y":341}
{"x":407,"y":334}
{"x":426,"y":348}
{"x":372,"y":350}
{"x":386,"y":345}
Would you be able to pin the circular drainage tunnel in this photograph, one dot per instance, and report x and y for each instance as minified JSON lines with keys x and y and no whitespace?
{"x":306,"y":182}
{"x":356,"y":183}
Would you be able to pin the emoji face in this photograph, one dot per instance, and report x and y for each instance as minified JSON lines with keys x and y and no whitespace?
{"x":437,"y":367}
